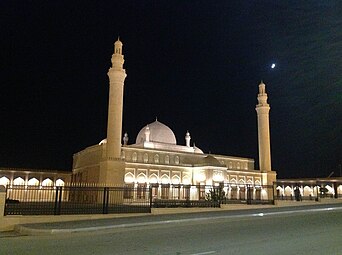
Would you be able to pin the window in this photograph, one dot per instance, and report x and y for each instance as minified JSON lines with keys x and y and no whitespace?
{"x":167,"y":159}
{"x":156,"y":158}
{"x":134,"y":157}
{"x":145,"y":157}
{"x":177,"y":160}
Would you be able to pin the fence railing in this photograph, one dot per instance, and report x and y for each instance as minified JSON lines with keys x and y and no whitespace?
{"x":139,"y":198}
{"x":74,"y":200}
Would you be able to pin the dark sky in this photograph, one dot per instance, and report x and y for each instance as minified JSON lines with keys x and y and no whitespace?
{"x":194,"y":64}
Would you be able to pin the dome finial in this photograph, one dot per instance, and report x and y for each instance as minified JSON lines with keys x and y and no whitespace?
{"x":125,"y":139}
{"x":187,"y":138}
{"x":156,"y":118}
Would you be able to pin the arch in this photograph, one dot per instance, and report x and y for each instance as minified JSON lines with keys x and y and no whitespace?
{"x":165,"y":179}
{"x":175,"y":179}
{"x":186,"y":179}
{"x":233,"y":181}
{"x":230,"y":165}
{"x":307,"y":191}
{"x":4,"y":181}
{"x":257,"y":183}
{"x":47,"y":182}
{"x":141,"y":178}
{"x":249,"y":181}
{"x":288,"y":191}
{"x":33,"y":182}
{"x":330,"y":189}
{"x":18,"y":181}
{"x":129,"y":178}
{"x":153,"y":178}
{"x":60,"y":182}
{"x":242,"y":181}
{"x":218,"y":176}
{"x":339,"y":189}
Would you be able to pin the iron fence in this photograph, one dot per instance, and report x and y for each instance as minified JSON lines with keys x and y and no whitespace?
{"x":139,"y":198}
{"x":23,"y":200}
{"x":210,"y":196}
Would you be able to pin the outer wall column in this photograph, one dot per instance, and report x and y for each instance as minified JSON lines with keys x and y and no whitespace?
{"x":2,"y":201}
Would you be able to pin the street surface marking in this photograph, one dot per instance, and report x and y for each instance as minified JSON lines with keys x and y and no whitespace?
{"x":203,"y":253}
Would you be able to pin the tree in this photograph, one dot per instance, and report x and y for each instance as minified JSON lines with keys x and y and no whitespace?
{"x":216,"y":194}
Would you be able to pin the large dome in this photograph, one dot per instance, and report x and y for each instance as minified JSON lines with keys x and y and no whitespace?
{"x":159,"y":133}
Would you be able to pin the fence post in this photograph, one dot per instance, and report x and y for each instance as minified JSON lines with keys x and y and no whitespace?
{"x":273,"y":192}
{"x":249,"y":194}
{"x":59,"y":200}
{"x":2,"y":201}
{"x":55,"y":211}
{"x":150,"y":190}
{"x":105,"y":201}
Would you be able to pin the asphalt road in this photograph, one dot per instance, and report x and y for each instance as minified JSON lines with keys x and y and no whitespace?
{"x":311,"y":232}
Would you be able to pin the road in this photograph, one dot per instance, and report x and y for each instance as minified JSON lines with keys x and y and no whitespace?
{"x":305,"y":232}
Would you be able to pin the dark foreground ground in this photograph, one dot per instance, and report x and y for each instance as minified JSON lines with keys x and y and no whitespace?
{"x":290,"y":232}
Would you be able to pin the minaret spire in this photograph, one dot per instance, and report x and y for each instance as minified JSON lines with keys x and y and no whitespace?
{"x":263,"y":109}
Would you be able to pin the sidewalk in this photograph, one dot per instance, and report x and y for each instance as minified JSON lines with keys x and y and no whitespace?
{"x":176,"y":215}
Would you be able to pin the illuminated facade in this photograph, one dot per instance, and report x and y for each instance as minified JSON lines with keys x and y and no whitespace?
{"x":155,"y":158}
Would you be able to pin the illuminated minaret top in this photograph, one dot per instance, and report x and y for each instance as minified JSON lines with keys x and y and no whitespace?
{"x":263,"y":109}
{"x":117,"y":77}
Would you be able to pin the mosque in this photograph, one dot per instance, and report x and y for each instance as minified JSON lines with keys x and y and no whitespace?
{"x":156,"y":159}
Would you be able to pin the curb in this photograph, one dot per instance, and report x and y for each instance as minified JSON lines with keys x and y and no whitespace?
{"x":34,"y":232}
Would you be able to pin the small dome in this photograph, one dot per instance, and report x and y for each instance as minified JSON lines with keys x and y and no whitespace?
{"x":159,"y":133}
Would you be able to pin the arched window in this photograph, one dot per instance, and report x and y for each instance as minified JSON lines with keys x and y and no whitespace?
{"x":134,"y":157}
{"x":167,"y":159}
{"x":145,"y":158}
{"x":156,"y":158}
{"x":177,"y":160}
{"x":230,"y":165}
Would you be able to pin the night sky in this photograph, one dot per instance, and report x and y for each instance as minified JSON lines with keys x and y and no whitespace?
{"x":196,"y":65}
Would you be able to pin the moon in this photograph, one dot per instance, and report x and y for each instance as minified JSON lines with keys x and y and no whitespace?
{"x":273,"y":65}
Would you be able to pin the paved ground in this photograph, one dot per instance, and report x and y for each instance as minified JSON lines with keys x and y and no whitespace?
{"x":301,"y":230}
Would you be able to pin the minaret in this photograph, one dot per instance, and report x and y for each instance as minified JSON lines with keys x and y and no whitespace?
{"x":147,"y":134}
{"x":187,"y":139}
{"x":117,"y":77}
{"x":263,"y":109}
